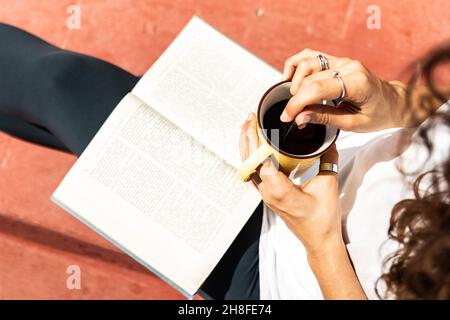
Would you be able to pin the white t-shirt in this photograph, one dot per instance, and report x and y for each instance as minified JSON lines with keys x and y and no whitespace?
{"x":370,"y":186}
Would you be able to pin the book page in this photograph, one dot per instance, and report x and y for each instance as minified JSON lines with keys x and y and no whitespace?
{"x":158,"y":194}
{"x":207,"y":85}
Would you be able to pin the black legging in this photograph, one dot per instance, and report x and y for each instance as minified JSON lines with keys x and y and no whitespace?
{"x":60,"y":99}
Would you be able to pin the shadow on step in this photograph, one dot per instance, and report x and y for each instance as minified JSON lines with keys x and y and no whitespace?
{"x":59,"y":241}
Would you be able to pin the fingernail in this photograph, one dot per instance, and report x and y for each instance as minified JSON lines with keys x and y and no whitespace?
{"x":301,"y":126}
{"x":303,"y":120}
{"x":285,"y":117}
{"x":250,"y":116}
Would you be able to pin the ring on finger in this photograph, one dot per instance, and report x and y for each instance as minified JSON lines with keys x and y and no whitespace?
{"x":341,"y":82}
{"x":329,"y":167}
{"x":323,"y":62}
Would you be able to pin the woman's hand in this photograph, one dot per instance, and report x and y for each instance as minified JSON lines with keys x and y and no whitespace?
{"x":311,"y":211}
{"x":370,"y":103}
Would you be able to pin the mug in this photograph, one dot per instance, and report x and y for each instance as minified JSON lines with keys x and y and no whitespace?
{"x":287,"y":162}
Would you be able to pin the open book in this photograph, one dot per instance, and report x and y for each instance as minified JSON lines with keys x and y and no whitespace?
{"x":159,"y":179}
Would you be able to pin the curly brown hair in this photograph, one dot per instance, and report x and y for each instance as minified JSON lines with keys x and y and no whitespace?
{"x":420,"y":268}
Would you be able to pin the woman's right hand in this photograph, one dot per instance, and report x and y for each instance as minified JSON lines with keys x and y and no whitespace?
{"x":370,"y":104}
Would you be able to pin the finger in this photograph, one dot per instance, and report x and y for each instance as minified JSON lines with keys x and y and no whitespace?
{"x":291,"y":63}
{"x":256,"y":180}
{"x":279,"y":193}
{"x":331,"y":156}
{"x":243,"y":147}
{"x":289,"y":67}
{"x":252,"y":134}
{"x":303,"y":69}
{"x":272,"y":178}
{"x":312,"y":76}
{"x":311,"y":91}
{"x":323,"y":114}
{"x":311,"y":66}
{"x":324,"y":86}
{"x":326,"y":182}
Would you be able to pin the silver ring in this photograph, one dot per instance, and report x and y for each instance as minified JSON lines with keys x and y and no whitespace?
{"x":328,"y":167}
{"x":323,"y":61}
{"x":341,"y":82}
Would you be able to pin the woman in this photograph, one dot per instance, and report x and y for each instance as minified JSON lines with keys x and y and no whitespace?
{"x":318,"y":212}
{"x":60,"y":99}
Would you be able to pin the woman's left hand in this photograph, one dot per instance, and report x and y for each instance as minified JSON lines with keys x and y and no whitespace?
{"x":311,"y":211}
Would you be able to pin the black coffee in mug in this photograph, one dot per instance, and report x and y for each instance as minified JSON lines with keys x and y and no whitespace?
{"x":292,"y":139}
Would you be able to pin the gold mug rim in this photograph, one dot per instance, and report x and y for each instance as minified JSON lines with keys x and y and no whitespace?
{"x":267,"y":140}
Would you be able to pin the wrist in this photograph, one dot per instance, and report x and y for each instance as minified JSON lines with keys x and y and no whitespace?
{"x":326,"y":251}
{"x":399,"y":112}
{"x":328,"y":259}
{"x":334,"y":272}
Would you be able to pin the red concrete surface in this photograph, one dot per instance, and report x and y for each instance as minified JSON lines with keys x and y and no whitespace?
{"x":38,"y":240}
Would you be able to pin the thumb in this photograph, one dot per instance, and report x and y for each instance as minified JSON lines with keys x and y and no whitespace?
{"x":327,"y":115}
